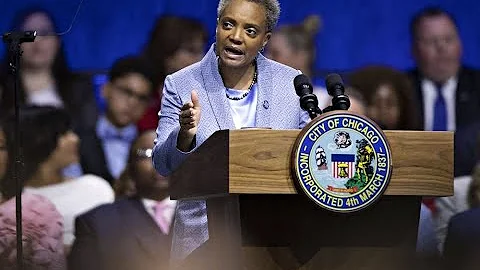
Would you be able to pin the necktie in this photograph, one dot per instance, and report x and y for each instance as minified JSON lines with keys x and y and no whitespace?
{"x":439,"y":112}
{"x":160,"y":217}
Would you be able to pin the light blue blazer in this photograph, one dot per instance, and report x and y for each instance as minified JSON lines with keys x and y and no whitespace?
{"x":278,"y":107}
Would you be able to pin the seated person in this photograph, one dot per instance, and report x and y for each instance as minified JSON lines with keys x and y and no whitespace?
{"x":42,"y":223}
{"x":49,"y":145}
{"x":174,"y":43}
{"x":389,"y":96}
{"x":131,"y":233}
{"x":128,"y":93}
{"x":46,"y":78}
{"x":462,"y":243}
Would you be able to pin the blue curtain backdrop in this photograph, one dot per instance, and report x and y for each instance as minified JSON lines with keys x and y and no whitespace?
{"x":355,"y":32}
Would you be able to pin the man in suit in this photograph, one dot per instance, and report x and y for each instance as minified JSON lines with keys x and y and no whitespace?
{"x":104,"y":149}
{"x":462,"y":244}
{"x":449,"y":91}
{"x":132,"y":233}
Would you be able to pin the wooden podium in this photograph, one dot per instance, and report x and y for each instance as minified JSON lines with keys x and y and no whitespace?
{"x":258,"y":221}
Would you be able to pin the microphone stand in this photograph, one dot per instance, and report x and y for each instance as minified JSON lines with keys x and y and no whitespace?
{"x":13,"y":41}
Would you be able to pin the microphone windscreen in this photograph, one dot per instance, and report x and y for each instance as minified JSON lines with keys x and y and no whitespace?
{"x":332,"y":80}
{"x":302,"y":85}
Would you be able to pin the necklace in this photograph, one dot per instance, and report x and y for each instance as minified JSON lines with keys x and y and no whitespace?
{"x":249,"y":88}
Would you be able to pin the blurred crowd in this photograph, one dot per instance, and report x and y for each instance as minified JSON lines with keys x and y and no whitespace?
{"x":91,"y":194}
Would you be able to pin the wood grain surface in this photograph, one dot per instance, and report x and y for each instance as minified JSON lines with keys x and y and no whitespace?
{"x":259,"y":162}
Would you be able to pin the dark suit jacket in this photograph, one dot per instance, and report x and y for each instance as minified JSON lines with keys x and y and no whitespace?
{"x":467,"y":149}
{"x":119,"y":236}
{"x":467,"y":100}
{"x":92,"y":156}
{"x":467,"y":111}
{"x":462,"y":245}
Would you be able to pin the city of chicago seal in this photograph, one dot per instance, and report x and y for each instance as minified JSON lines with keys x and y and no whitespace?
{"x":342,"y":161}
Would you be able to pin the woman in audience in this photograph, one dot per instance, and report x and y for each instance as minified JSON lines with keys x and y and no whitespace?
{"x":45,"y":76}
{"x":294,"y":45}
{"x":49,"y":145}
{"x":41,"y":222}
{"x":389,"y":95}
{"x":175,"y":42}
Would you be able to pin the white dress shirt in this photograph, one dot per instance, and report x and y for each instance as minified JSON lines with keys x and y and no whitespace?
{"x":430,"y":95}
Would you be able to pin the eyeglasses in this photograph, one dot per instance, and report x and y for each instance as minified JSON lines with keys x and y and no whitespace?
{"x":144,"y":153}
{"x":129,"y":93}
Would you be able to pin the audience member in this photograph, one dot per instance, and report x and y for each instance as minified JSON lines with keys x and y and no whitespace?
{"x":174,"y":43}
{"x":447,"y":207}
{"x":462,"y":244}
{"x":124,"y":187}
{"x":131,"y":233}
{"x":358,"y":104}
{"x":52,"y":147}
{"x":389,"y":96}
{"x":104,"y":149}
{"x":294,"y":46}
{"x":41,"y":222}
{"x":449,"y":91}
{"x":46,"y":78}
{"x":467,"y":154}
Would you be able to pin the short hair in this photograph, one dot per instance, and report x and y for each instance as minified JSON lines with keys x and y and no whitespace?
{"x":40,"y":128}
{"x":131,"y":64}
{"x":271,"y":6}
{"x":428,"y":12}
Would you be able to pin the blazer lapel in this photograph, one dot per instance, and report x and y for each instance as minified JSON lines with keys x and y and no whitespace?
{"x":462,"y":95}
{"x":147,"y":232}
{"x":216,"y":90}
{"x":265,"y":77}
{"x":102,"y":162}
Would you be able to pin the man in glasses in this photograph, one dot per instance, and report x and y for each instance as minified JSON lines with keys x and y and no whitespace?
{"x":128,"y":93}
{"x":133,"y":232}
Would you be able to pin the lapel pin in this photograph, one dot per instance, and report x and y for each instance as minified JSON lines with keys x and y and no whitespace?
{"x":266,"y":105}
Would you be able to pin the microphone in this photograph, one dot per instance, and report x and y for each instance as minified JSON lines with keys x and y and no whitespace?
{"x":13,"y":41}
{"x":308,"y":101}
{"x":18,"y":37}
{"x":336,"y":89}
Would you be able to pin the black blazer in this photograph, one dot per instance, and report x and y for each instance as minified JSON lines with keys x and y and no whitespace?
{"x":119,"y":236}
{"x":467,"y":100}
{"x":92,"y":156}
{"x":462,"y":244}
{"x":467,"y":149}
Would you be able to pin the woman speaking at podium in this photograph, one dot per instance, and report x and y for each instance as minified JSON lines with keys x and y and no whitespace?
{"x":233,"y":86}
